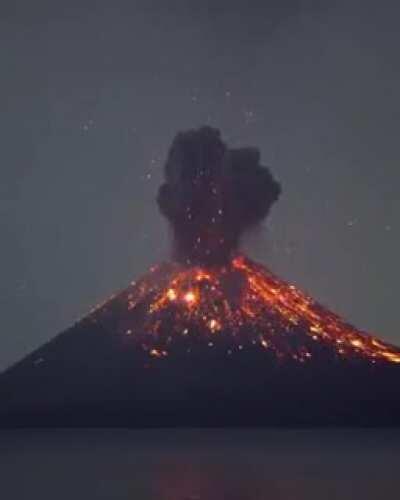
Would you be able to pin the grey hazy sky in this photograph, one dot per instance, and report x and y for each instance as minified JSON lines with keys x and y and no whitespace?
{"x":92,"y":94}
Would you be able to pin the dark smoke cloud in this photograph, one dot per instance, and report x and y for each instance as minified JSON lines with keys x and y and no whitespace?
{"x":212,"y":194}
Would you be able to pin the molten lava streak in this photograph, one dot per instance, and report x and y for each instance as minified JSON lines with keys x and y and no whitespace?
{"x":234,"y":308}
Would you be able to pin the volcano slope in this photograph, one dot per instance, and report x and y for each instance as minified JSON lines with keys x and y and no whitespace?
{"x":231,"y":345}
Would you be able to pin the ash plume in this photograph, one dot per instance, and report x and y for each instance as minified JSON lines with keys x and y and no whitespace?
{"x":212,"y":194}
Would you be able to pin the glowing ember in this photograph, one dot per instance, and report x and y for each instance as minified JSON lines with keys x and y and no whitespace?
{"x":235,"y":308}
{"x":171,"y":294}
{"x":214,"y":325}
{"x":190,"y":297}
{"x":158,"y":354}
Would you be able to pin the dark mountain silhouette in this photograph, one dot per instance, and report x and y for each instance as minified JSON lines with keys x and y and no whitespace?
{"x":212,"y":338}
{"x":198,"y":346}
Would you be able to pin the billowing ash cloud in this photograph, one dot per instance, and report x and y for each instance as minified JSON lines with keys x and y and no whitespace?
{"x":212,"y":194}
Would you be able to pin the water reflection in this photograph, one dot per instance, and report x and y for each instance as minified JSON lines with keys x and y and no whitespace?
{"x":200,"y":465}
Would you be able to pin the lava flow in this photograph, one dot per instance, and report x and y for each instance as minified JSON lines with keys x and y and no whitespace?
{"x":233,"y":308}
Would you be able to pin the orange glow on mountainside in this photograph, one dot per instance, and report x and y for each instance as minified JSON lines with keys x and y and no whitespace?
{"x":236,"y":307}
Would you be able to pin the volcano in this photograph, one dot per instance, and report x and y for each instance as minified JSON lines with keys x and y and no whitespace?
{"x":210,"y":337}
{"x":192,"y":345}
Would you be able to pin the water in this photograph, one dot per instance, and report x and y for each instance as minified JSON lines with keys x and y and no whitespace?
{"x":200,"y":464}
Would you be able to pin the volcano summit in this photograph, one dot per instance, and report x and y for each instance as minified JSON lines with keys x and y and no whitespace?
{"x":210,"y":338}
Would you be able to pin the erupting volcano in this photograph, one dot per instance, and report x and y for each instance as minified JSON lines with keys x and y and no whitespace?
{"x":211,"y":337}
{"x":176,"y":310}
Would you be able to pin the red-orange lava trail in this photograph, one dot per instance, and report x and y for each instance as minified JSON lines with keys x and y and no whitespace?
{"x":247,"y":306}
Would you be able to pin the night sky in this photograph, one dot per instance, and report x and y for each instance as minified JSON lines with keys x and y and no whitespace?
{"x":92,"y":95}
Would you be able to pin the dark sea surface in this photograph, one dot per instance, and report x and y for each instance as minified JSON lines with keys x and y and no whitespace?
{"x":209,"y":464}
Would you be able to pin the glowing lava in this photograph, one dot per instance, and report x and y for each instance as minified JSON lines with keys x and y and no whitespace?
{"x":235,"y":308}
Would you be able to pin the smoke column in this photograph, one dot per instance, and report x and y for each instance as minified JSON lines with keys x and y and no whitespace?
{"x":212,"y":194}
